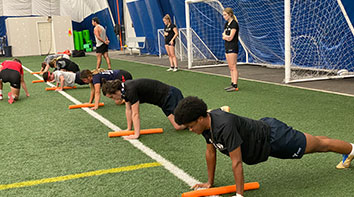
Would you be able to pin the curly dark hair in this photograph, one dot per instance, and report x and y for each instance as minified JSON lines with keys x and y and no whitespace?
{"x":190,"y":109}
{"x":111,"y":86}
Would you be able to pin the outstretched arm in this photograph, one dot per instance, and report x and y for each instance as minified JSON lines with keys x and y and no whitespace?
{"x":61,"y":78}
{"x":97,"y":92}
{"x":92,"y":93}
{"x":236,"y":158}
{"x":210,"y":156}
{"x":23,"y":84}
{"x":136,"y":121}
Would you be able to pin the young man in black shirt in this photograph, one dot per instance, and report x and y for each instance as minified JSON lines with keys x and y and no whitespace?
{"x":251,"y":141}
{"x":139,"y":91}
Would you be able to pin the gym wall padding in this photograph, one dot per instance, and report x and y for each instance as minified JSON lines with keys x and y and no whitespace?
{"x":147,"y":22}
{"x":63,"y":33}
{"x":27,"y":42}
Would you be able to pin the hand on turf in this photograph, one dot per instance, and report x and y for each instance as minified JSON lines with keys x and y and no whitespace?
{"x":131,"y":137}
{"x":201,"y":185}
{"x":27,"y":95}
{"x":94,"y":108}
{"x":59,"y":89}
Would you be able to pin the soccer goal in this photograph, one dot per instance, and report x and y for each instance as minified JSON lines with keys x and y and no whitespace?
{"x":310,"y":40}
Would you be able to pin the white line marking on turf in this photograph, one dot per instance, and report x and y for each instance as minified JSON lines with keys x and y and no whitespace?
{"x":179,"y":173}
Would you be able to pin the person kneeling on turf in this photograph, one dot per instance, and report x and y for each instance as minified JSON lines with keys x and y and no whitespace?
{"x":143,"y":91}
{"x":12,"y":72}
{"x":250,"y":141}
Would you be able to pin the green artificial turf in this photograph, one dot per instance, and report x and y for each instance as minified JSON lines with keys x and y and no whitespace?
{"x":41,"y":138}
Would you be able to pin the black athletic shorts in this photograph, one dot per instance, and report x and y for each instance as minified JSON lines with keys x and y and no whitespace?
{"x":231,"y":51}
{"x":167,"y":42}
{"x":285,"y":142}
{"x":102,"y":49}
{"x":124,"y":75}
{"x":172,"y":99}
{"x":11,"y":76}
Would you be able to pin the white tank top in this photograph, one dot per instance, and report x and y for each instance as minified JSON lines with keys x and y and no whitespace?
{"x":102,"y":35}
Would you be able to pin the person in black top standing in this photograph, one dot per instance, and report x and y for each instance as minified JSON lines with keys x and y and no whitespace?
{"x":139,"y":91}
{"x":250,"y":141}
{"x":170,"y":34}
{"x":230,"y":35}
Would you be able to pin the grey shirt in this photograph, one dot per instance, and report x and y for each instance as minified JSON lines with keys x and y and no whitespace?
{"x":102,"y":35}
{"x":69,"y":78}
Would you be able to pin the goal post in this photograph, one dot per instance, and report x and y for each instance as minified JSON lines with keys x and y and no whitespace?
{"x":309,"y":40}
{"x":203,"y":33}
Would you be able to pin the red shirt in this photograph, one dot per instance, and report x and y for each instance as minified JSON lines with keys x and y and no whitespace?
{"x":13,"y":65}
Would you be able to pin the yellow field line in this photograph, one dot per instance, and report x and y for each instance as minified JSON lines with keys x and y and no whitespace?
{"x":81,"y":175}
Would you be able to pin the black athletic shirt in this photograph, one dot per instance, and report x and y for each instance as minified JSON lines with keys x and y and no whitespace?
{"x":67,"y":64}
{"x":145,"y":91}
{"x":231,"y":131}
{"x":233,"y":44}
{"x":170,"y":32}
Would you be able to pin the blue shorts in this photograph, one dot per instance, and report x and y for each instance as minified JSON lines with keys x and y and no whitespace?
{"x":171,"y":102}
{"x":285,"y":142}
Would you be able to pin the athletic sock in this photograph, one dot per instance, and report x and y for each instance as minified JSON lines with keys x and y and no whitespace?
{"x":234,"y":85}
{"x":352,"y":152}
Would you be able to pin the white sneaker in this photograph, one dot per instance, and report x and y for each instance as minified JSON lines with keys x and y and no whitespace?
{"x":0,"y":96}
{"x":170,"y":69}
{"x":175,"y":69}
{"x":225,"y":108}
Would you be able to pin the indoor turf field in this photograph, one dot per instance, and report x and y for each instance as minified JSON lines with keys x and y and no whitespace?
{"x":51,"y":149}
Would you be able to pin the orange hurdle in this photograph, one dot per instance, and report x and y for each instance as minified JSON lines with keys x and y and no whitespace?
{"x":36,"y":73}
{"x":84,"y":105}
{"x":220,"y":190}
{"x":143,"y":131}
{"x":37,"y":81}
{"x":65,"y":88}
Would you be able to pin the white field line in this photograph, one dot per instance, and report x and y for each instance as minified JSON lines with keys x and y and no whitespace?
{"x":179,"y":173}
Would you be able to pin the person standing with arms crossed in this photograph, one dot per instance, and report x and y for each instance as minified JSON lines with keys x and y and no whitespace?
{"x":230,"y":35}
{"x":101,"y":43}
{"x":170,"y":34}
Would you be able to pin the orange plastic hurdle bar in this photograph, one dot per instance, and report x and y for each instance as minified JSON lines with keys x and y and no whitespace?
{"x":84,"y":105}
{"x":143,"y":131}
{"x":36,"y":73}
{"x":65,"y":88}
{"x":220,"y":190}
{"x":37,"y":81}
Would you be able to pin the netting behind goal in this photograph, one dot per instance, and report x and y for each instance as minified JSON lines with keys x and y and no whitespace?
{"x":321,"y":39}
